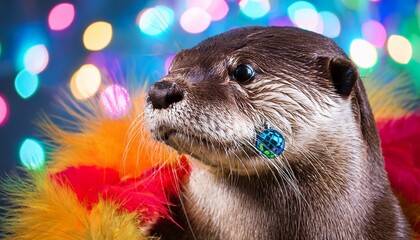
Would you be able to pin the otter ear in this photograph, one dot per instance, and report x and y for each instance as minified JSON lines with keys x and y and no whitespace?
{"x":343,"y":74}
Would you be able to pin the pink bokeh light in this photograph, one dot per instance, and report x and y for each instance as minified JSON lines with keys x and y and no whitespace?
{"x":168,"y":62}
{"x":4,"y":110}
{"x":374,"y":32}
{"x":281,"y":22}
{"x":115,"y":101}
{"x":61,"y":16}
{"x":218,"y":9}
{"x":195,"y":20}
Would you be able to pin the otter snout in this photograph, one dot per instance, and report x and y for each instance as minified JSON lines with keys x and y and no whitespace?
{"x":164,"y":93}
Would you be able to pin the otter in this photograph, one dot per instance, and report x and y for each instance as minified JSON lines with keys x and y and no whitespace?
{"x":329,"y":183}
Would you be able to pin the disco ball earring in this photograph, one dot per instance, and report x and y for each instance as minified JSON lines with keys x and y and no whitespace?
{"x":270,"y":143}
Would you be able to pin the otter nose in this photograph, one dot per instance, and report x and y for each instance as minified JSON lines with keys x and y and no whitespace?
{"x":163,"y":94}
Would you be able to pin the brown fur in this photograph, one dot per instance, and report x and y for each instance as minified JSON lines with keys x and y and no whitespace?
{"x":329,"y":183}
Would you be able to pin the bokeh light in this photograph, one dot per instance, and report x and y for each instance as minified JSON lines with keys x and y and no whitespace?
{"x":156,"y":20}
{"x":355,"y":4}
{"x":115,"y":101}
{"x":291,"y":10}
{"x":363,"y":53}
{"x":332,"y":26}
{"x":415,"y":43}
{"x":304,"y":15}
{"x":307,"y":19}
{"x":254,"y":8}
{"x":168,"y":62}
{"x":97,"y":36}
{"x":61,"y":16}
{"x":36,"y":59}
{"x":29,"y":36}
{"x":26,"y":83}
{"x":32,"y":154}
{"x":43,"y":45}
{"x":195,"y":20}
{"x":218,"y":9}
{"x":281,"y":21}
{"x":4,"y":110}
{"x":399,"y":48}
{"x":319,"y":27}
{"x":73,"y":88}
{"x":85,"y":82}
{"x":374,"y":32}
{"x":199,"y":4}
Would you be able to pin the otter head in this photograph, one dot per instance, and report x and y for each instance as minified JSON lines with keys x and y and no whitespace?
{"x":221,"y":93}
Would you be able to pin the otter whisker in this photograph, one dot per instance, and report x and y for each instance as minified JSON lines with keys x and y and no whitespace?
{"x":134,"y":127}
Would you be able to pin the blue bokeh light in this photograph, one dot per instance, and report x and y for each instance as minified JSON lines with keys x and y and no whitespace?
{"x":32,"y":154}
{"x":254,"y":9}
{"x":332,"y":26}
{"x":26,"y":83}
{"x":156,"y":20}
{"x":297,"y":6}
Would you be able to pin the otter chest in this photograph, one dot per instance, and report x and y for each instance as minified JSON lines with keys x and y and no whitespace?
{"x":216,"y":211}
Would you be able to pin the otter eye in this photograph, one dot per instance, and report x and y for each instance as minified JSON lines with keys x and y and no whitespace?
{"x":244,"y":73}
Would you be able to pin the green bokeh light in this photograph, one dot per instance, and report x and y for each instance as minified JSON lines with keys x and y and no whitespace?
{"x":355,"y":4}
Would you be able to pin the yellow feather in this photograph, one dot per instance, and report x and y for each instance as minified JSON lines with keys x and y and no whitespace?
{"x":42,"y":209}
{"x":389,"y":101}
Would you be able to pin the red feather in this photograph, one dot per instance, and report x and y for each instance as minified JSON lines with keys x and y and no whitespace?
{"x":401,"y":148}
{"x":149,"y":195}
{"x":88,"y":181}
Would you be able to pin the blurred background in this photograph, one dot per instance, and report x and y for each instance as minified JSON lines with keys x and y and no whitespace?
{"x":50,"y":48}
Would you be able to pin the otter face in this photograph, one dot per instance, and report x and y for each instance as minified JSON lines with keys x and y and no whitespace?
{"x":220,"y":94}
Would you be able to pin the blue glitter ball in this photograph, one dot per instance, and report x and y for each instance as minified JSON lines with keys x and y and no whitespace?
{"x":270,"y":143}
